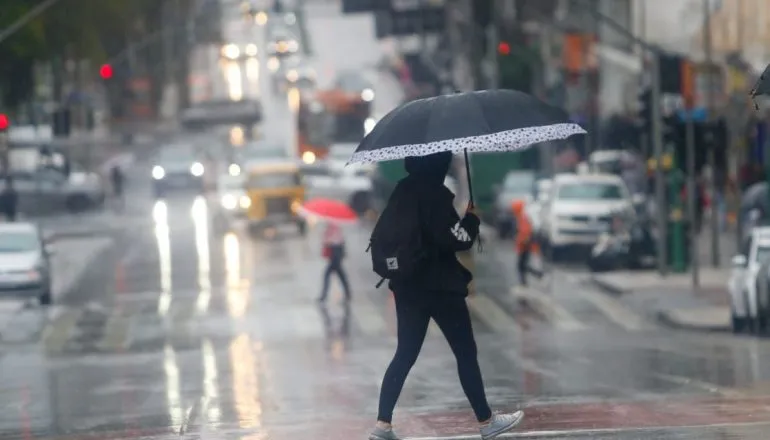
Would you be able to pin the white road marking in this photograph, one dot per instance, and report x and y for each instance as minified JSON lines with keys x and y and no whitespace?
{"x":491,"y":313}
{"x":569,"y":433}
{"x":703,"y":385}
{"x":616,"y":312}
{"x":73,"y":256}
{"x":554,"y":313}
{"x":58,"y":332}
{"x":116,"y":331}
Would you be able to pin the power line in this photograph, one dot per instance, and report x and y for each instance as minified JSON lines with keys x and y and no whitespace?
{"x":26,"y":18}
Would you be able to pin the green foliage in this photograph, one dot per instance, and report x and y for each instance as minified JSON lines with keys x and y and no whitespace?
{"x":71,"y":28}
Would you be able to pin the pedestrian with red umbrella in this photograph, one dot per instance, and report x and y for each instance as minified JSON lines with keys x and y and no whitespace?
{"x":333,"y":213}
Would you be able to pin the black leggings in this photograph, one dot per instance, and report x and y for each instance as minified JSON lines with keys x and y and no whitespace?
{"x":454,"y":320}
{"x":335,"y":266}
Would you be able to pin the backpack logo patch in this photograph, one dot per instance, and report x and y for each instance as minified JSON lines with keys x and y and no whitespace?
{"x":460,"y":233}
{"x":392,"y":263}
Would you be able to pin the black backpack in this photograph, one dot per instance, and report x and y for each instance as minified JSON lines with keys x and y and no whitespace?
{"x":396,"y":243}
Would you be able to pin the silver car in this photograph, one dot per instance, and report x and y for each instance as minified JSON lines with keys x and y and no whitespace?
{"x":25,"y":268}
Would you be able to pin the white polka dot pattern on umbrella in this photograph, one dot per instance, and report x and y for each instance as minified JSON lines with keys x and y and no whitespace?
{"x":509,"y":140}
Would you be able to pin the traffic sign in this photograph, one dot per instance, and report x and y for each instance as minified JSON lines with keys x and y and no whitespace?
{"x":410,"y":22}
{"x":360,"y":6}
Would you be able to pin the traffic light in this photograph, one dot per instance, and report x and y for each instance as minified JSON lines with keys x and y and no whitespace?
{"x":504,"y":48}
{"x":105,"y":71}
{"x":5,"y":122}
{"x":645,"y":109}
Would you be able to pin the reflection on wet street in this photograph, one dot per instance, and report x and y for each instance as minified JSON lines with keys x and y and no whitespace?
{"x":217,"y":333}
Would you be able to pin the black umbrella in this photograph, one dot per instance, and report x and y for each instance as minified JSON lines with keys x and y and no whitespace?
{"x":762,"y":87}
{"x":481,"y":121}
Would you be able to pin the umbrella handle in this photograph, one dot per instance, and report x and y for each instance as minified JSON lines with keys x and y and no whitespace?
{"x":468,"y":176}
{"x":471,"y":204}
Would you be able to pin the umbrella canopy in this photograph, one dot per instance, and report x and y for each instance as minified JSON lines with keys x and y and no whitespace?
{"x":486,"y":120}
{"x":330,"y":210}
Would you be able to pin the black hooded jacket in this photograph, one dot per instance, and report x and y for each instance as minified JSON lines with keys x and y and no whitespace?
{"x":444,"y":233}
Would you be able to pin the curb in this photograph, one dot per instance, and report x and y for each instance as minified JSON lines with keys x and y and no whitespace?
{"x":665,"y":318}
{"x":608,"y":288}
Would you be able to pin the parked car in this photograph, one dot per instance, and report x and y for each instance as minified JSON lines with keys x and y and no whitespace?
{"x":84,"y":189}
{"x":25,"y":267}
{"x":579,"y":209}
{"x":749,"y":302}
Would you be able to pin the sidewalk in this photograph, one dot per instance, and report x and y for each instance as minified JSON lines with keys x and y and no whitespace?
{"x":672,"y":300}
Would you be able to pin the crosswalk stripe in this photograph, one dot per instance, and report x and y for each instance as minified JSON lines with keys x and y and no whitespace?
{"x":490,"y":313}
{"x":553,"y":311}
{"x":116,"y":331}
{"x":619,"y":314}
{"x":58,"y":332}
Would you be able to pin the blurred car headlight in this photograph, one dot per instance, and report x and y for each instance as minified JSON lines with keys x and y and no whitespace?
{"x":367,"y":95}
{"x":244,"y":202}
{"x":158,"y":172}
{"x":292,"y":75}
{"x":234,"y":170}
{"x":273,"y":64}
{"x":231,"y":51}
{"x":229,"y":202}
{"x":308,"y":157}
{"x":197,"y":169}
{"x":292,"y":46}
{"x":260,"y":18}
{"x":251,"y":50}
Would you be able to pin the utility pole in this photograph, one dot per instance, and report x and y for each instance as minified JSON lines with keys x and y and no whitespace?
{"x":707,"y":49}
{"x":657,"y":147}
{"x":644,"y":136}
{"x":691,"y":195}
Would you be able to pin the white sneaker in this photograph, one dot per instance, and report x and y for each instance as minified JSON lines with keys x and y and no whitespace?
{"x":383,"y":434}
{"x":501,"y":423}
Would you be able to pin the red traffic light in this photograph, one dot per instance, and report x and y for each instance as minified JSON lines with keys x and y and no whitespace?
{"x":503,"y":48}
{"x":4,"y":122}
{"x":105,"y":71}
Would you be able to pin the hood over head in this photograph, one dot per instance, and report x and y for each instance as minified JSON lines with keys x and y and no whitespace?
{"x":433,"y":166}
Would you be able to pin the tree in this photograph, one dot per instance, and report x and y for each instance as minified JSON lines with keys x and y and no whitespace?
{"x":69,"y":29}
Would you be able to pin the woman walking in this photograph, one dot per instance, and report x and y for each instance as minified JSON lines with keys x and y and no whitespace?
{"x":434,"y":290}
{"x":334,"y":252}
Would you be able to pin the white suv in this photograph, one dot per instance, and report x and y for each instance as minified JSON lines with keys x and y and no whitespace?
{"x":749,"y":307}
{"x":580,"y":208}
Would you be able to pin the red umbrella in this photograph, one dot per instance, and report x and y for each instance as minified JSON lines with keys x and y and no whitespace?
{"x":327,"y":209}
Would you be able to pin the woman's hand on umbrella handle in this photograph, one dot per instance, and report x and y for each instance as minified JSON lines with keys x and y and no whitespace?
{"x":471,"y":209}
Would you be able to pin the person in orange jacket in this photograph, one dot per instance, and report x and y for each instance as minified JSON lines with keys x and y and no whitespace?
{"x":524,"y":239}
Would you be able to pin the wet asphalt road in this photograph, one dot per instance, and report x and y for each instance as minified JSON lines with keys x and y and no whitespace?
{"x":166,"y":327}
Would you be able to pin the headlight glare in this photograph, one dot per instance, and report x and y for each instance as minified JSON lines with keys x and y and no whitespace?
{"x":197,"y":169}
